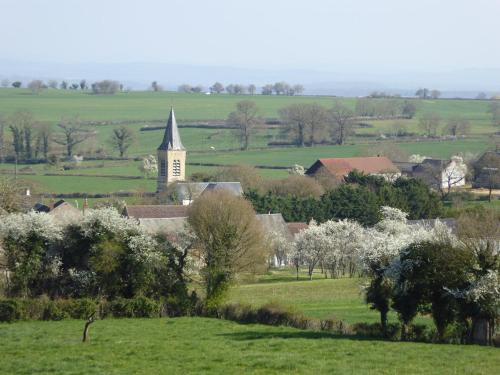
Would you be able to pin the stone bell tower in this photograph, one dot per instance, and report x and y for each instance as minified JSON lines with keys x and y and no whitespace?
{"x":171,"y":156}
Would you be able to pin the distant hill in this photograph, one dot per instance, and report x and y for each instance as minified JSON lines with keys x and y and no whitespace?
{"x":460,"y":83}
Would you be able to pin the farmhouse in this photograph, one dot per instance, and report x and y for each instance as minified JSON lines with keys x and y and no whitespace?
{"x":341,"y":167}
{"x":487,"y":171}
{"x":441,"y":174}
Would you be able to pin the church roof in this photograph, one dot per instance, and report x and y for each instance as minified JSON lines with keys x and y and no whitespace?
{"x":171,"y":138}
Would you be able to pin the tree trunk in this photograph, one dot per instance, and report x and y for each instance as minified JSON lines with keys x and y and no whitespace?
{"x":383,"y":322}
{"x":481,"y":331}
{"x":89,"y":321}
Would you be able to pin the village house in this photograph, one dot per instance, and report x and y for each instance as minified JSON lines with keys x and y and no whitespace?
{"x":487,"y":171}
{"x":61,"y":210}
{"x":439,"y":174}
{"x":341,"y":167}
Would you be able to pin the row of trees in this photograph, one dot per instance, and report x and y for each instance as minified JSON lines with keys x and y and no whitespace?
{"x":360,"y":199}
{"x":412,"y":268}
{"x":99,"y":87}
{"x":104,"y":255}
{"x":307,"y":124}
{"x":33,"y":140}
{"x":279,"y":88}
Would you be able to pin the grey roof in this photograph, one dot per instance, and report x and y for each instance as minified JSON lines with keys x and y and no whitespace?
{"x":164,"y":225}
{"x":274,"y":223}
{"x":192,"y":190}
{"x":171,"y":138}
{"x":156,"y":211}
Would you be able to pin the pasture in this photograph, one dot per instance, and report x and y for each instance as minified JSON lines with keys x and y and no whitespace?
{"x":210,"y":346}
{"x":214,"y":145}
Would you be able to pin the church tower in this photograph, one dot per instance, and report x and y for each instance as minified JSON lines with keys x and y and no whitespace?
{"x":171,"y":156}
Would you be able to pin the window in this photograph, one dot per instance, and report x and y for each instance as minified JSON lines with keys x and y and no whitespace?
{"x":176,"y":169}
{"x":163,"y":167}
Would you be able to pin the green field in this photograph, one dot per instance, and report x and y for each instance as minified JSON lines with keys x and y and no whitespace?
{"x":209,"y":346}
{"x":216,"y":145}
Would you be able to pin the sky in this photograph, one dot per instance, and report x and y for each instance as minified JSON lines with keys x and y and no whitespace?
{"x":312,"y":34}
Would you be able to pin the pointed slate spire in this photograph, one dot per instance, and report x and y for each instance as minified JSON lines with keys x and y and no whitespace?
{"x":171,"y":139}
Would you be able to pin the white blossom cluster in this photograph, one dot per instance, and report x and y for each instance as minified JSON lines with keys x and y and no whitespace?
{"x":486,"y":288}
{"x":18,"y":226}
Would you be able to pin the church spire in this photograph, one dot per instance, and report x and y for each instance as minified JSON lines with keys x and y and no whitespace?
{"x":171,"y":139}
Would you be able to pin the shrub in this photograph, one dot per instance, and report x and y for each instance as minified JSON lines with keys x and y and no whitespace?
{"x":392,"y":332}
{"x":53,"y":311}
{"x":9,"y":311}
{"x":336,"y":326}
{"x":144,"y":307}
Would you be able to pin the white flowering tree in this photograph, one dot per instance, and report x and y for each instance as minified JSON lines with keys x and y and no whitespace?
{"x":149,"y":166}
{"x":382,"y":245}
{"x":27,"y":239}
{"x":122,"y":254}
{"x":309,"y":248}
{"x":342,"y":242}
{"x":281,"y":247}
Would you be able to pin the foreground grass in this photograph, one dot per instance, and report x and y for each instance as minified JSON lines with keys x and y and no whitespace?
{"x":209,"y":346}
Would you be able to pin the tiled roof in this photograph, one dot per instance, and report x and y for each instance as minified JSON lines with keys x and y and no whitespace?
{"x":342,"y":166}
{"x":155,"y":211}
{"x":296,"y":227}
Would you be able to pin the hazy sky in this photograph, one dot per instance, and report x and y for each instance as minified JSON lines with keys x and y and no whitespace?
{"x":309,"y":34}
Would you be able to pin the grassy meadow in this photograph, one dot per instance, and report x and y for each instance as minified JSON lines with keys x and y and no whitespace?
{"x":209,"y":346}
{"x":216,"y":145}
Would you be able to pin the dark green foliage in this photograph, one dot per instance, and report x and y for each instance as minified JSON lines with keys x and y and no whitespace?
{"x":359,"y":199}
{"x":10,"y":311}
{"x":429,"y":272}
{"x":58,"y":309}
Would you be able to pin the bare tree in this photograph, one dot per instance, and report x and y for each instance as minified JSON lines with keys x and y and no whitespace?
{"x":458,"y":126}
{"x":294,"y":118}
{"x":156,"y":87}
{"x":106,"y":87}
{"x":229,"y":245}
{"x":248,"y":176}
{"x":72,"y":132}
{"x":217,"y":88}
{"x":298,"y":89}
{"x":423,"y":93}
{"x":184,"y":88}
{"x":43,"y":138}
{"x":429,"y":123}
{"x":83,"y":85}
{"x":252,"y":89}
{"x":36,"y":86}
{"x":246,"y":117}
{"x":280,"y":88}
{"x":267,"y":89}
{"x":21,"y":126}
{"x":10,"y":197}
{"x":52,"y":83}
{"x":121,"y":139}
{"x":435,"y":94}
{"x":5,"y":82}
{"x":316,"y":120}
{"x":64,"y":85}
{"x":341,"y":118}
{"x":295,"y":186}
